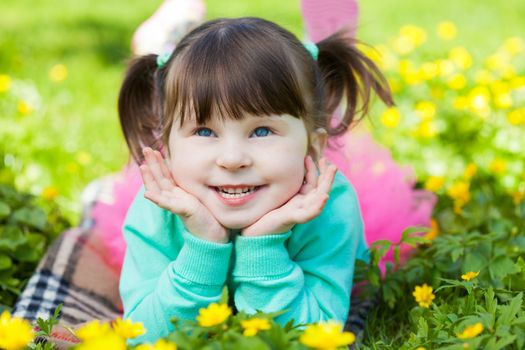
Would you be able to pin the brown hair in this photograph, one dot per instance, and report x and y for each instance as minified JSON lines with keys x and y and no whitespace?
{"x":233,"y":67}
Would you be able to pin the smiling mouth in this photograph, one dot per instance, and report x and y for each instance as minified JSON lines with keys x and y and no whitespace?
{"x":230,"y":193}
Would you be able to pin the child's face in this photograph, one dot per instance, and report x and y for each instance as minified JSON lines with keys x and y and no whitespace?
{"x":261,"y":155}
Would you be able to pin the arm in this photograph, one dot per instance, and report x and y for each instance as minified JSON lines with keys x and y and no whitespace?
{"x":167,"y":271}
{"x":307,"y":271}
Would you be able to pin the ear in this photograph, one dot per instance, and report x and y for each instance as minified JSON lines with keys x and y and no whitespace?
{"x":318,"y":140}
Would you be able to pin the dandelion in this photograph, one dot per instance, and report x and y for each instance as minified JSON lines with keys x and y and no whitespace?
{"x":24,"y":107}
{"x":503,"y":100}
{"x":391,"y":117}
{"x":423,"y":295}
{"x":446,"y":68}
{"x":5,"y":83}
{"x":471,"y":331}
{"x":483,"y":77}
{"x":518,"y":196}
{"x":93,"y":330}
{"x":426,"y":109}
{"x":447,"y":30}
{"x":427,"y":129}
{"x":416,"y":35}
{"x":434,"y":230}
{"x":516,"y":116}
{"x":429,"y":70}
{"x":461,"y":57}
{"x":460,"y":103}
{"x":513,"y":45}
{"x":84,"y":158}
{"x":58,"y":73}
{"x":460,"y":193}
{"x":326,"y":336}
{"x":106,"y":341}
{"x":161,"y":344}
{"x":498,"y":166}
{"x":127,"y":329}
{"x":15,"y":333}
{"x":434,"y":183}
{"x":254,"y":325}
{"x":469,"y":275}
{"x":213,"y":315}
{"x":457,"y":82}
{"x":470,"y":171}
{"x":49,"y":193}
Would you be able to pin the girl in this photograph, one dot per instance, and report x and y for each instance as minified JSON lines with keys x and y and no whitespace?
{"x":241,"y":111}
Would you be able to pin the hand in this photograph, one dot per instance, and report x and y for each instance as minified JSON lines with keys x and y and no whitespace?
{"x":162,"y":190}
{"x":307,"y":204}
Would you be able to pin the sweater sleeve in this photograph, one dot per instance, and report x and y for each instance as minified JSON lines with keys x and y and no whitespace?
{"x":167,"y":272}
{"x":307,"y":271}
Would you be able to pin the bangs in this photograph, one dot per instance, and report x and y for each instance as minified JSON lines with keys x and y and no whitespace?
{"x":233,"y":70}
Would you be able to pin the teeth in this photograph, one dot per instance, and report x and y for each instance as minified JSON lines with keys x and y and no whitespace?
{"x":236,"y":192}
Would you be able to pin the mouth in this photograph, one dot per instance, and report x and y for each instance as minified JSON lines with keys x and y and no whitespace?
{"x":234,"y":192}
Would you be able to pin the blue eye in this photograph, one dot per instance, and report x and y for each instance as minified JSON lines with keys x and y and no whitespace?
{"x":262,"y":131}
{"x":205,"y":132}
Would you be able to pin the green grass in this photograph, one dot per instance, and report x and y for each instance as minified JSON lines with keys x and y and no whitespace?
{"x":92,"y":39}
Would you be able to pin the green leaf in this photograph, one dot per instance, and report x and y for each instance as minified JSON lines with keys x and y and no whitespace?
{"x":31,"y":216}
{"x":5,"y":210}
{"x":33,"y":250}
{"x":501,"y":266}
{"x":509,"y":312}
{"x":11,"y":237}
{"x":5,"y":262}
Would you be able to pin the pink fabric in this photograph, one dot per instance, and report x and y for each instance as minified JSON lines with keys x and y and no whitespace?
{"x":389,"y":203}
{"x":325,"y":17}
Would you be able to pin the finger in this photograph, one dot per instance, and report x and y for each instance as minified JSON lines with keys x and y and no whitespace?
{"x":154,"y":166}
{"x":310,"y":177}
{"x":327,"y":179}
{"x":163,"y":166}
{"x":149,"y":181}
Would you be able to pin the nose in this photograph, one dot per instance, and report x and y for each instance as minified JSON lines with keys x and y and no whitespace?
{"x":234,"y":157}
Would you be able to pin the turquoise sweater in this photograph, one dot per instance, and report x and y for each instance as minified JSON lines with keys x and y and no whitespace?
{"x":308,"y":271}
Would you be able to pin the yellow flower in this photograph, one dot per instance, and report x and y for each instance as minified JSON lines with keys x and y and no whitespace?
{"x":416,"y":35}
{"x":513,"y":45}
{"x":49,"y":193}
{"x":516,"y":116}
{"x":479,"y":101}
{"x":126,"y":329}
{"x":106,"y":341}
{"x":421,"y":348}
{"x":469,"y":275}
{"x":5,"y":82}
{"x":326,"y":336}
{"x":434,"y":183}
{"x":426,"y":129}
{"x":460,"y":193}
{"x":434,"y":230}
{"x":471,"y":331}
{"x":461,"y":103}
{"x":93,"y":330}
{"x":457,"y":82}
{"x":447,"y":30}
{"x":15,"y":333}
{"x":162,"y":344}
{"x":254,"y":325}
{"x":426,"y":109}
{"x":145,"y":346}
{"x":429,"y":70}
{"x":470,"y":171}
{"x":58,"y":73}
{"x":24,"y":108}
{"x":461,"y":57}
{"x":213,"y":315}
{"x":518,"y":196}
{"x":483,"y":77}
{"x":498,"y":166}
{"x":423,"y":295}
{"x":391,"y":117}
{"x":84,"y":158}
{"x":503,"y":100}
{"x":446,"y":68}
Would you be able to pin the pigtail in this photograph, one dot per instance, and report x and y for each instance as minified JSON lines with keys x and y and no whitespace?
{"x":347,"y":72}
{"x":139,"y":106}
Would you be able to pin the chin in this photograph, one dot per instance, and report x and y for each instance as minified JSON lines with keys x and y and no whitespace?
{"x":236,"y":224}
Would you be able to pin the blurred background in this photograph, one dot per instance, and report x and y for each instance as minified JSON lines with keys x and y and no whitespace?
{"x":456,"y":68}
